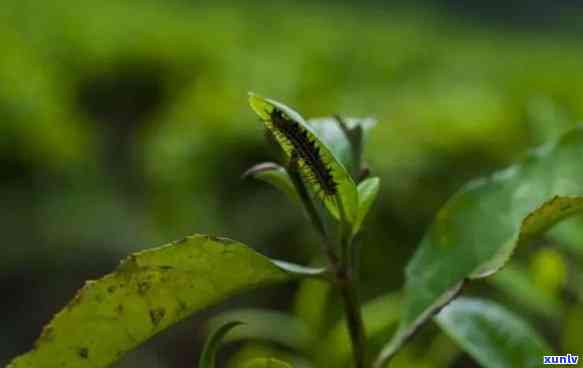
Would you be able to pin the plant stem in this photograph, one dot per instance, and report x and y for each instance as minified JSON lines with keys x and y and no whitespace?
{"x":345,"y":280}
{"x":344,"y":268}
{"x":355,"y":324}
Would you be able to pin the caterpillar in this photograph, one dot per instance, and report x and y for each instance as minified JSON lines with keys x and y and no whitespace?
{"x":310,"y":158}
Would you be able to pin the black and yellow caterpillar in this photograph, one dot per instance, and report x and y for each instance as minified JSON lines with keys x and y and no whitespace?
{"x":310,"y":159}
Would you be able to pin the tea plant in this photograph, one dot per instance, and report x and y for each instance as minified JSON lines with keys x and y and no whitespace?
{"x":473,"y":236}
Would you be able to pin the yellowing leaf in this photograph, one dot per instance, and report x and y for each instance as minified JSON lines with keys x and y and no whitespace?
{"x":150,"y":291}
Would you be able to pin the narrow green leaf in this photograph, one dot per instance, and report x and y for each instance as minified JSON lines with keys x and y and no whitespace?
{"x":476,"y":232}
{"x":300,"y":270}
{"x":150,"y":291}
{"x":268,"y":325}
{"x":267,"y":363}
{"x":492,"y":335}
{"x":309,"y":144}
{"x":209,"y":352}
{"x":275,"y":175}
{"x":367,"y":193}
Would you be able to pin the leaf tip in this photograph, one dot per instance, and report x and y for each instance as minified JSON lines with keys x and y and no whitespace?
{"x":259,"y":105}
{"x":259,"y":168}
{"x":207,"y":358}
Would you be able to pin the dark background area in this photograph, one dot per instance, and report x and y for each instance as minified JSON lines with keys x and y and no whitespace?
{"x":125,"y":125}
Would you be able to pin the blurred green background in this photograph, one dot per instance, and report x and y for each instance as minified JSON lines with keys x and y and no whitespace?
{"x":125,"y":125}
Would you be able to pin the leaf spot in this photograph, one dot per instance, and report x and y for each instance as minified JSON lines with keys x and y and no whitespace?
{"x":182,"y":306}
{"x":143,"y":287}
{"x":156,"y":315}
{"x":83,"y":352}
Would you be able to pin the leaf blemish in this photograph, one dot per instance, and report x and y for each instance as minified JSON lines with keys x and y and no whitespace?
{"x":143,"y":287}
{"x":156,"y":315}
{"x":83,"y":352}
{"x":182,"y":306}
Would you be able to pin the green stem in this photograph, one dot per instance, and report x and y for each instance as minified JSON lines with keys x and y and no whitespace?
{"x":345,"y":280}
{"x":354,"y":321}
{"x":344,"y":268}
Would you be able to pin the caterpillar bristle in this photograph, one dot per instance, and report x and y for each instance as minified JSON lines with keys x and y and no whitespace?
{"x":314,"y":169}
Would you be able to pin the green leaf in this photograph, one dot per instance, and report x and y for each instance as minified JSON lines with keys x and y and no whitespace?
{"x":150,"y":291}
{"x":477,"y":230}
{"x":346,"y":197}
{"x":366,"y":124}
{"x":492,"y":335}
{"x":367,"y":193}
{"x":267,"y":363}
{"x":209,"y":352}
{"x":569,"y":235}
{"x":254,"y":350}
{"x":275,"y":175}
{"x":311,"y":304}
{"x":345,"y":137}
{"x":300,"y":270}
{"x":515,"y":282}
{"x":291,"y":331}
{"x":331,"y":134}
